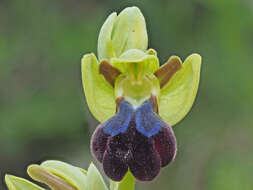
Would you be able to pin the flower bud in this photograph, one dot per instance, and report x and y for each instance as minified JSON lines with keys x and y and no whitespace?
{"x":123,"y":32}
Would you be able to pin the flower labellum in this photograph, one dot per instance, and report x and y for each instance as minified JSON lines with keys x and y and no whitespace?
{"x":136,"y":102}
{"x":137,"y":139}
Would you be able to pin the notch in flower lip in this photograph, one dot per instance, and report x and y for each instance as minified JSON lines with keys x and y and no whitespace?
{"x":121,"y":88}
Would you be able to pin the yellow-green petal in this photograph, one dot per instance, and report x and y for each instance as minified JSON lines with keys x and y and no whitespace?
{"x":94,"y":179}
{"x":105,"y":47}
{"x":17,"y":183}
{"x":99,"y":93}
{"x":71,"y":174}
{"x":148,"y":59}
{"x":178,"y":95}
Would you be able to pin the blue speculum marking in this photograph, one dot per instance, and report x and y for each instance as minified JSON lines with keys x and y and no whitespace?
{"x":120,"y":122}
{"x":147,"y":121}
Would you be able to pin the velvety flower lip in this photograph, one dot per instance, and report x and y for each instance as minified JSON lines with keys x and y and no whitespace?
{"x":142,"y":144}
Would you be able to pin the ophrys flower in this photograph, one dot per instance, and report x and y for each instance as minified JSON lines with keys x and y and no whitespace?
{"x":136,"y":101}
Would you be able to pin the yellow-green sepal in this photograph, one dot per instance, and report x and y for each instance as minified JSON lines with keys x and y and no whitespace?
{"x":99,"y":93}
{"x":17,"y":183}
{"x":147,"y":60}
{"x":178,"y":95}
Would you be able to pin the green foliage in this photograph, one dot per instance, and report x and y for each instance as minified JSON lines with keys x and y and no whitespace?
{"x":16,"y":183}
{"x":62,"y":176}
{"x":71,"y":174}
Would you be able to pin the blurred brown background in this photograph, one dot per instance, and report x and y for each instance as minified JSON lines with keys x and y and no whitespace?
{"x":43,"y":113}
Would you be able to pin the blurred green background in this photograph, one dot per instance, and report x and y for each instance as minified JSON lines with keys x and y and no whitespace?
{"x":43,"y":113}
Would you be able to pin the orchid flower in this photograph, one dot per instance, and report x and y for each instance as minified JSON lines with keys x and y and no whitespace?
{"x":136,"y":101}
